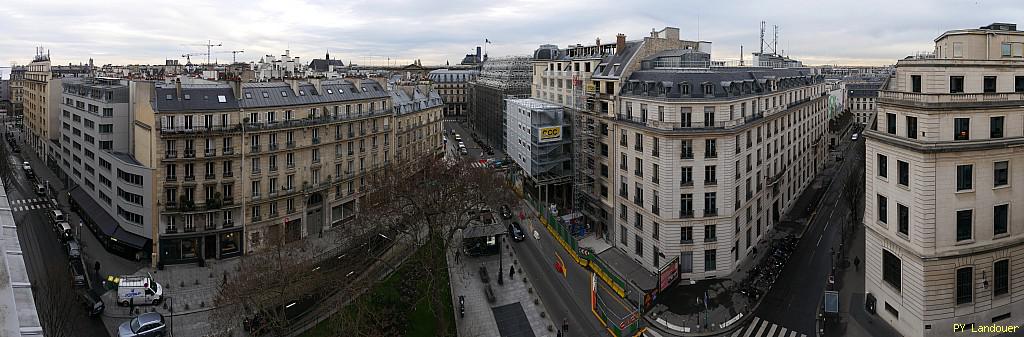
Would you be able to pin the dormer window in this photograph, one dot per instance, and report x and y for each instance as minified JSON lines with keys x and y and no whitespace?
{"x":188,"y":97}
{"x":266,"y":94}
{"x":364,"y":89}
{"x":709,"y":89}
{"x":170,"y":97}
{"x":248,"y":95}
{"x":284,"y":93}
{"x":302,"y":93}
{"x":330,"y":92}
{"x":222,"y":99}
{"x":684,"y":88}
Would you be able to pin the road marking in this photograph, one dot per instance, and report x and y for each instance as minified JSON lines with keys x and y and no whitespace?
{"x":783,"y":331}
{"x":757,"y":320}
{"x":771,"y":332}
{"x":764,"y":328}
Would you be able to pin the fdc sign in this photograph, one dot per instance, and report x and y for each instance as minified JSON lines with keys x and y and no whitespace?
{"x":550,"y":134}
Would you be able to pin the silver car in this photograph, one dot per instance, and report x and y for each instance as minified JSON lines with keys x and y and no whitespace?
{"x":144,"y":325}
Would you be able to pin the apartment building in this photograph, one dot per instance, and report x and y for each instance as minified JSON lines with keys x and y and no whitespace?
{"x":38,"y":86}
{"x":588,"y":79}
{"x":239,"y":167}
{"x":943,"y":234}
{"x":17,"y":88}
{"x":861,"y":100}
{"x":113,"y":191}
{"x":453,"y":86}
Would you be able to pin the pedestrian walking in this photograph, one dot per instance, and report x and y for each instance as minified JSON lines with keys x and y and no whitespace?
{"x":856,"y":263}
{"x":511,"y":272}
{"x":457,"y":253}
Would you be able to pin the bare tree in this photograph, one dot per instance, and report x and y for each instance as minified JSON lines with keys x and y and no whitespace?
{"x":422,"y":204}
{"x":52,"y":302}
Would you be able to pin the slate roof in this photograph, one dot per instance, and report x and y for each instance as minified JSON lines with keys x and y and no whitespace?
{"x":220,"y":96}
{"x":620,"y":57}
{"x":404,"y":100}
{"x":725,"y":81}
{"x":863,"y":90}
{"x":321,"y":65}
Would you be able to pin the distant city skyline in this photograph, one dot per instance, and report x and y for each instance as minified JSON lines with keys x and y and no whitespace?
{"x":123,"y":32}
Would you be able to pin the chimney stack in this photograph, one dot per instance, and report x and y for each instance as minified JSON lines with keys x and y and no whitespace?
{"x":177,"y":87}
{"x":478,"y":59}
{"x":620,"y":42}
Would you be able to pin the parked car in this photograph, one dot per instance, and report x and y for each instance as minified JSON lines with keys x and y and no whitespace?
{"x":506,"y":213}
{"x":40,"y":189}
{"x":458,"y":138}
{"x":74,"y":250}
{"x":854,"y":137}
{"x":63,"y":231}
{"x":56,"y":216}
{"x":77,"y":273}
{"x":144,"y":325}
{"x":92,"y":303}
{"x":516,"y":232}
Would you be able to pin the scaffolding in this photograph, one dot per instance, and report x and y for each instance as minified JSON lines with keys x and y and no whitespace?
{"x":583,"y":151}
{"x":500,"y":78}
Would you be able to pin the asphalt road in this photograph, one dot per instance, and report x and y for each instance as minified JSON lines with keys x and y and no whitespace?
{"x":42,"y":248}
{"x":793,"y":301}
{"x":565,"y":297}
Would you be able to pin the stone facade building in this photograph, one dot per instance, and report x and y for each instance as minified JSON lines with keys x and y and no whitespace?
{"x":943,"y":235}
{"x":453,"y":86}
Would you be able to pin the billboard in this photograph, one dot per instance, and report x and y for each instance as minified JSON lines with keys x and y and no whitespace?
{"x":669,"y":274}
{"x":550,"y":134}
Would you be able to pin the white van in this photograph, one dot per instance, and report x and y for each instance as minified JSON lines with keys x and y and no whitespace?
{"x":57,"y":216}
{"x":137,"y":290}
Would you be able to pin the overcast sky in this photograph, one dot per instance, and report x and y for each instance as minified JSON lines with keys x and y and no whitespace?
{"x":859,"y":32}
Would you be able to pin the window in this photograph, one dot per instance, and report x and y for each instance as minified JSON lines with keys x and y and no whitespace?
{"x":710,"y":209}
{"x":1001,"y":277}
{"x":883,"y":209}
{"x":709,"y":260}
{"x":686,"y":235}
{"x":964,"y":285}
{"x":1001,"y":173}
{"x":1018,"y":84}
{"x":963,"y":224}
{"x":686,"y":176}
{"x":964,"y":177}
{"x":903,"y":219}
{"x":903,"y":169}
{"x":1006,"y":49}
{"x":1000,"y":219}
{"x":891,"y":269}
{"x":710,"y":148}
{"x":709,"y":116}
{"x":892,"y":310}
{"x":915,"y":83}
{"x":710,"y":233}
{"x":883,"y":166}
{"x":686,"y":205}
{"x":996,"y":126}
{"x":623,"y":238}
{"x":989,"y":84}
{"x":958,"y":49}
{"x":911,"y":127}
{"x":710,"y":177}
{"x":686,"y":149}
{"x":890,"y":123}
{"x":956,"y":84}
{"x":684,"y":116}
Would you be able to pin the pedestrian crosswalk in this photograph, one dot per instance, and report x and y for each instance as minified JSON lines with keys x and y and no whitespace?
{"x":762,"y":328}
{"x":21,"y":205}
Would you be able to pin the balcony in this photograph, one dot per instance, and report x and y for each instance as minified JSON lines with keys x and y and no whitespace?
{"x":272,"y":168}
{"x":190,"y":153}
{"x":710,"y":182}
{"x":694,"y":126}
{"x":255,"y":171}
{"x":271,"y":146}
{"x":229,"y":223}
{"x":200,"y":129}
{"x":686,"y":154}
{"x":316,"y":160}
{"x":254,"y":148}
{"x":210,"y":153}
{"x":190,"y":178}
{"x":171,"y":229}
{"x":686,"y":183}
{"x":316,"y":140}
{"x":711,"y":212}
{"x":210,"y":176}
{"x":229,"y":151}
{"x":351,"y":134}
{"x":923,"y":100}
{"x":290,"y":165}
{"x":171,"y":178}
{"x":685,"y":214}
{"x":228,"y":174}
{"x":229,"y":200}
{"x":290,"y":144}
{"x":171,"y":154}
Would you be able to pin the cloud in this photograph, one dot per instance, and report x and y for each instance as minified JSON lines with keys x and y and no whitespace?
{"x":818,"y":32}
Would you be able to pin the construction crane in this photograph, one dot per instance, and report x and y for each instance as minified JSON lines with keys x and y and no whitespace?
{"x":188,"y":57}
{"x":233,"y":52}
{"x":209,"y":49}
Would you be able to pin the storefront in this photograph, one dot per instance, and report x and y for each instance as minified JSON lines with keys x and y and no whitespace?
{"x":106,"y":229}
{"x":192,"y":247}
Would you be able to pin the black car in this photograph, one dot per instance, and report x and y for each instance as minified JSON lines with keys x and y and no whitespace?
{"x":92,"y":303}
{"x":516,"y":232}
{"x":506,"y":213}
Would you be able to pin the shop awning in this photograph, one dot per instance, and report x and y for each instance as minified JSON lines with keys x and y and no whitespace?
{"x":106,"y":223}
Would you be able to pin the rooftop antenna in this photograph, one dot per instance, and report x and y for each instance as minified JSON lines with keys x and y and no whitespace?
{"x":775,"y":40}
{"x":741,"y":55}
{"x":698,"y":27}
{"x":762,"y":37}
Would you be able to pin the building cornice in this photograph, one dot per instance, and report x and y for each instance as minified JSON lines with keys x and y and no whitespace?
{"x":944,"y":146}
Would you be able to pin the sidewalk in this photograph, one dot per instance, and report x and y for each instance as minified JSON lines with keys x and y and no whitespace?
{"x":854,"y":320}
{"x":516,"y":303}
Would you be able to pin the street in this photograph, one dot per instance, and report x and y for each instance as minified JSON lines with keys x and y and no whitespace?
{"x":566,"y":298}
{"x":794,"y":299}
{"x":44,"y":254}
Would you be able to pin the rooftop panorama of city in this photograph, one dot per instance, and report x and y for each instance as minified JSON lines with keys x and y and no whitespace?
{"x":528,"y":169}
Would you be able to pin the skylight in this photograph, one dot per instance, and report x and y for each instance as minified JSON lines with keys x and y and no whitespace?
{"x":222,"y":99}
